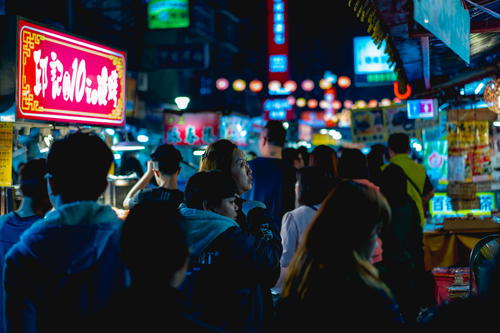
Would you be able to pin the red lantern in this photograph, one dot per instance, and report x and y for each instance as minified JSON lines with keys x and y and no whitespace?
{"x":222,"y":84}
{"x":344,"y":82}
{"x":337,"y":105}
{"x":290,"y":85}
{"x":255,"y":86}
{"x":312,"y":103}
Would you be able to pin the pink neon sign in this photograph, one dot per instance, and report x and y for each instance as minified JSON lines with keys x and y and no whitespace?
{"x":67,"y":79}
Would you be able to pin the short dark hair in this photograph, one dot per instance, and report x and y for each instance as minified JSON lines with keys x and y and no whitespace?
{"x":314,"y":185}
{"x":168,"y":158}
{"x":353,"y":164}
{"x":79,"y":163}
{"x":32,"y":178}
{"x":142,"y":249}
{"x":208,"y":186}
{"x":276,"y":133}
{"x":399,"y":143}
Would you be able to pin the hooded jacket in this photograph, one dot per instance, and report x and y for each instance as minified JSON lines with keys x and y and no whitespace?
{"x":229,"y":271}
{"x":64,"y":268}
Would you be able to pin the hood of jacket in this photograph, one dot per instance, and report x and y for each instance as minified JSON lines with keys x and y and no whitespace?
{"x":72,"y":237}
{"x":202,"y":227}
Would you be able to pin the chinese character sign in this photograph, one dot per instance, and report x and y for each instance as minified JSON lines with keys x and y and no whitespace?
{"x":6,"y":139}
{"x":68,"y":79}
{"x":192,"y":129}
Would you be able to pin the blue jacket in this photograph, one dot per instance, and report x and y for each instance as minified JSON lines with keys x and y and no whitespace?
{"x":65,"y":268}
{"x":231,"y":271}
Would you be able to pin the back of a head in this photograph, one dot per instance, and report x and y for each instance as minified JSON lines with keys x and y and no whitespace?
{"x":399,"y":143}
{"x":349,"y":209}
{"x":79,"y":164}
{"x":208,"y":186}
{"x":167,"y":158}
{"x":325,"y":158}
{"x":314,"y":185}
{"x":218,"y":155}
{"x":353,"y":164}
{"x":275,"y":133}
{"x":157,"y":252}
{"x":32,"y":179}
{"x":289,"y":155}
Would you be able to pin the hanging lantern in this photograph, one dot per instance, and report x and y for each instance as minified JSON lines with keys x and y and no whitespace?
{"x":274,"y":85}
{"x":300,"y":102}
{"x":290,"y":85}
{"x":491,"y":95}
{"x":222,"y":84}
{"x":312,"y":103}
{"x":307,"y":85}
{"x":324,"y":104}
{"x":385,"y":102}
{"x":396,"y":100}
{"x":360,"y":104}
{"x":325,"y":84}
{"x":344,"y":82}
{"x":239,"y":85}
{"x":372,"y":103}
{"x":348,"y":104}
{"x":290,"y":100}
{"x":255,"y":86}
{"x":337,"y":104}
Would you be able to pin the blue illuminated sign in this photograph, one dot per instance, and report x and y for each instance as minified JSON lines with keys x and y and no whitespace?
{"x":440,"y":205}
{"x":278,"y":63}
{"x":371,"y":66}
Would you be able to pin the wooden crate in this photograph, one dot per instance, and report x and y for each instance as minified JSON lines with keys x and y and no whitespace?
{"x":461,"y":190}
{"x":470,"y":223}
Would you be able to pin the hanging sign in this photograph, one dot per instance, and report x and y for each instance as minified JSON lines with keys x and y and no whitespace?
{"x":192,"y":129}
{"x":68,"y":79}
{"x":6,"y":139}
{"x":235,"y":129}
{"x":368,"y":126}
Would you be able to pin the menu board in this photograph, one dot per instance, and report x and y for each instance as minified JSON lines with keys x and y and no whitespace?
{"x":6,"y":139}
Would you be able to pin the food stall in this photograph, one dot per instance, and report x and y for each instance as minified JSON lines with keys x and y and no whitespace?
{"x":63,"y":83}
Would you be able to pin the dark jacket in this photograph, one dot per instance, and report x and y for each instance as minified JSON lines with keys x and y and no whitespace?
{"x":230,"y":271}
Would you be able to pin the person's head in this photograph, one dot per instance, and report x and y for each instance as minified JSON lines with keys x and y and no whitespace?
{"x":224,"y":155}
{"x":144,"y":249}
{"x":305,"y":154}
{"x":77,"y":166}
{"x":33,"y":184}
{"x":357,"y":213}
{"x":293,"y":157}
{"x":399,"y":143}
{"x":272,"y":138}
{"x":325,"y":158}
{"x":212,"y":190}
{"x":353,"y":164}
{"x":312,"y":186}
{"x":166,"y":161}
{"x":377,"y":154}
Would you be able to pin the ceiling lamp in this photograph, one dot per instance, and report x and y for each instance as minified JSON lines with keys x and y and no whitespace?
{"x":344,"y":82}
{"x":491,"y":95}
{"x":255,"y":86}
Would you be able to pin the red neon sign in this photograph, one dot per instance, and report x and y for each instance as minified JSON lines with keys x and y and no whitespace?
{"x":277,"y":40}
{"x":67,"y":79}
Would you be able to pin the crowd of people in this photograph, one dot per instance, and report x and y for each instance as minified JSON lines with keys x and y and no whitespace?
{"x":288,"y":241}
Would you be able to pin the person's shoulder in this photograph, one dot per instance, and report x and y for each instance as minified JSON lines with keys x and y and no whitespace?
{"x":6,"y":217}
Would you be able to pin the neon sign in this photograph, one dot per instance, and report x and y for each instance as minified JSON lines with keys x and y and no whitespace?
{"x":277,"y":40}
{"x":68,"y":79}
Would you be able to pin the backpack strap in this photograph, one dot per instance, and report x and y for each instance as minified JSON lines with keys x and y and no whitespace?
{"x":409,"y":179}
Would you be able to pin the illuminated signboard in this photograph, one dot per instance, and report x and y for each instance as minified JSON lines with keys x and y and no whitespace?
{"x":371,"y":67}
{"x":278,"y":109}
{"x":192,"y":129}
{"x":235,"y":129}
{"x":165,"y":14}
{"x":67,"y":79}
{"x":421,"y":108}
{"x":277,"y":40}
{"x":440,"y":205}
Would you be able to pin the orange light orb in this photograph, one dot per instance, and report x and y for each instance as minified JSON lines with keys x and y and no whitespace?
{"x":255,"y":86}
{"x":344,"y":82}
{"x":325,"y":84}
{"x":372,"y":103}
{"x":290,"y":85}
{"x":312,"y":103}
{"x":274,"y":85}
{"x":337,"y":104}
{"x":300,"y":102}
{"x":348,"y":103}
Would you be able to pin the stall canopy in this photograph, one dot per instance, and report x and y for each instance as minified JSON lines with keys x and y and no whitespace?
{"x":428,"y":59}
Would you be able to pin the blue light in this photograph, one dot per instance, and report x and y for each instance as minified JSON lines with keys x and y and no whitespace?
{"x":278,"y":63}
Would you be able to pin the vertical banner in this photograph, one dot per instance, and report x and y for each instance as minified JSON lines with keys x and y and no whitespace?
{"x":6,"y":139}
{"x":277,"y":40}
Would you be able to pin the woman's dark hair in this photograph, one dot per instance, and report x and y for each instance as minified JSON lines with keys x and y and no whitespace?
{"x":218,"y":155}
{"x":325,"y":158}
{"x":210,"y":187}
{"x":353,"y":164}
{"x":314,"y":185}
{"x":350,"y":209}
{"x":289,"y":155}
